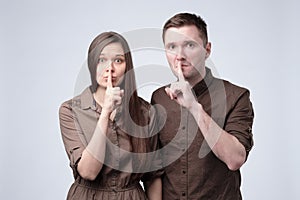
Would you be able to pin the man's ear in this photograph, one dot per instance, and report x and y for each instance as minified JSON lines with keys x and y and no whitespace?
{"x":208,"y":49}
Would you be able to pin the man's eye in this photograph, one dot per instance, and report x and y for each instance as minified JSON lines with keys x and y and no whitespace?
{"x":190,"y":45}
{"x":171,"y":47}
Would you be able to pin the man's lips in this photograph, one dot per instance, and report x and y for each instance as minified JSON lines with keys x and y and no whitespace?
{"x":185,"y":65}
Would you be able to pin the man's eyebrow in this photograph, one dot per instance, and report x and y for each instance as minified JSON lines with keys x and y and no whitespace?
{"x":190,"y":41}
{"x":167,"y":44}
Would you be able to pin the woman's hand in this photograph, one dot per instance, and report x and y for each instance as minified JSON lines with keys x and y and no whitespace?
{"x":113,"y":96}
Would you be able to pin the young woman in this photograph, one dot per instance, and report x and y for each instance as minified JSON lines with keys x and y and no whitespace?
{"x":108,"y":131}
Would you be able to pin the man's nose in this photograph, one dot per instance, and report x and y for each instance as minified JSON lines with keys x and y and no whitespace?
{"x":180,"y":55}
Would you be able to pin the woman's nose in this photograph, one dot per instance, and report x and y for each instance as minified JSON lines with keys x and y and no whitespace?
{"x":110,"y":67}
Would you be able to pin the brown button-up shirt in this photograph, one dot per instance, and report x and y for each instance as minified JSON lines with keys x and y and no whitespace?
{"x":192,"y":171}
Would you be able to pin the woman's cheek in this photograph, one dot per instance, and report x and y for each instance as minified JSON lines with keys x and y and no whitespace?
{"x":99,"y":78}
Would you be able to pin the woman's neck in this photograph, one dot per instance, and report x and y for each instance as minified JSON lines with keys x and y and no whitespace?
{"x":99,"y":98}
{"x":99,"y":95}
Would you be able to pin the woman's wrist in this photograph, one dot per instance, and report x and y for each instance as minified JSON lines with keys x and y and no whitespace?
{"x":105,"y":113}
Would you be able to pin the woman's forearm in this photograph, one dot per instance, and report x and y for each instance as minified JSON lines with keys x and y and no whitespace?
{"x":93,"y":156}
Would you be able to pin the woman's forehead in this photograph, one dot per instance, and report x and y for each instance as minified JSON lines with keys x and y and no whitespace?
{"x":113,"y":49}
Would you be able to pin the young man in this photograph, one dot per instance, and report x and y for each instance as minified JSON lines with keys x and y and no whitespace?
{"x":208,"y":130}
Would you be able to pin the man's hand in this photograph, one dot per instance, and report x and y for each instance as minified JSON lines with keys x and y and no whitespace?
{"x":180,"y":91}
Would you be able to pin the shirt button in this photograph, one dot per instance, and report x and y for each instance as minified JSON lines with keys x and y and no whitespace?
{"x":183,"y":128}
{"x":183,"y":193}
{"x":183,"y":171}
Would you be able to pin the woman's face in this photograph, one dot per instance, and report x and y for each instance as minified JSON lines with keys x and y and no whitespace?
{"x":111,"y":60}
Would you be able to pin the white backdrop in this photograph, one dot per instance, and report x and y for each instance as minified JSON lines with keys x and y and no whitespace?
{"x":44,"y":46}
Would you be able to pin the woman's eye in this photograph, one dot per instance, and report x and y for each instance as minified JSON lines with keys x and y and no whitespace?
{"x":101,"y":60}
{"x":118,"y":60}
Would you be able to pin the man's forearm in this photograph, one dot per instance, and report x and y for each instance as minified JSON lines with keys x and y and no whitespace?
{"x":224,"y":145}
{"x":154,"y":189}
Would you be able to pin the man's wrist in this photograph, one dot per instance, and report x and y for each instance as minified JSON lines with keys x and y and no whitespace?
{"x":195,"y":108}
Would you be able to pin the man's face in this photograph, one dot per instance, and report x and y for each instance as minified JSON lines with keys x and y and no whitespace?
{"x":185,"y":45}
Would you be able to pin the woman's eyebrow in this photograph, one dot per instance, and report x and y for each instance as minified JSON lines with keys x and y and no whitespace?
{"x":120,"y":55}
{"x":103,"y":54}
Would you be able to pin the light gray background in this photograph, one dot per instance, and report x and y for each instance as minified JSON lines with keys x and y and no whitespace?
{"x":44,"y":46}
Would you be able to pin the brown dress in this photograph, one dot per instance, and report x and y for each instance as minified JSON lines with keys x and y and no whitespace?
{"x":78,"y":119}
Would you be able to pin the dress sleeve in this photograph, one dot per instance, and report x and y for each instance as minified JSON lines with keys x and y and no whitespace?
{"x":72,"y":136}
{"x":240,"y":120}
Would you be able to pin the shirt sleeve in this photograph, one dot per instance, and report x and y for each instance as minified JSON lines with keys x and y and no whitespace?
{"x":240,"y":120}
{"x":72,"y":136}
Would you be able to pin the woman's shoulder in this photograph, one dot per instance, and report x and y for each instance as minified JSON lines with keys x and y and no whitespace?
{"x":144,"y":103}
{"x":69,"y":104}
{"x":148,"y":109}
{"x":66,"y":107}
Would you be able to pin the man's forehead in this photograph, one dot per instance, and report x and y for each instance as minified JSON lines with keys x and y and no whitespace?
{"x":181,"y":34}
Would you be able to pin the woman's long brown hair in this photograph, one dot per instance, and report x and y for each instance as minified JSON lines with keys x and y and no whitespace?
{"x":130,"y":100}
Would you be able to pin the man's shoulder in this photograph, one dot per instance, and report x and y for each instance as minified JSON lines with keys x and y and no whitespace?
{"x":233,"y":86}
{"x":160,"y":89}
{"x":159,"y":93}
{"x":233,"y":89}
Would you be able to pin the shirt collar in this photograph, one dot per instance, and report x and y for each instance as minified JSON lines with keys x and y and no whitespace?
{"x":202,"y":85}
{"x":87,"y":100}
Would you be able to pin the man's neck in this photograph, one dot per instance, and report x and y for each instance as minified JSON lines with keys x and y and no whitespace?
{"x":194,"y":80}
